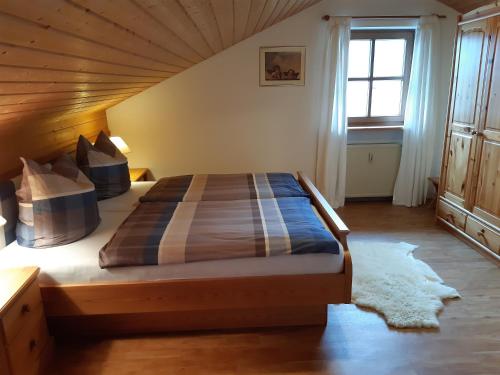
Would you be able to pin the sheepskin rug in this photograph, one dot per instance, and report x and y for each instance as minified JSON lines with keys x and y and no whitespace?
{"x":387,"y":278}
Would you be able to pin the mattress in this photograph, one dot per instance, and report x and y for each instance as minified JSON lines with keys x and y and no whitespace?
{"x":78,"y":263}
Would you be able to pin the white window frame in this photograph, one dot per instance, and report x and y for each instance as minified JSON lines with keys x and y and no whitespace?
{"x":379,"y":121}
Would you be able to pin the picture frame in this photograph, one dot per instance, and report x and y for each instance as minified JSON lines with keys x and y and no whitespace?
{"x":282,"y":66}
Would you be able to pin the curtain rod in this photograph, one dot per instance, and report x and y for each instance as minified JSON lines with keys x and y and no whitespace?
{"x":327,"y":17}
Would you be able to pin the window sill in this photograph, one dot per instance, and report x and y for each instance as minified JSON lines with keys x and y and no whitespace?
{"x":380,"y":127}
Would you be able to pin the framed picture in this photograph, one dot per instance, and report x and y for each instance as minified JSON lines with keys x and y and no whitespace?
{"x":281,"y":66}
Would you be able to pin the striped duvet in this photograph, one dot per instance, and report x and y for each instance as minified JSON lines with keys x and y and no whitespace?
{"x":182,"y":232}
{"x":223,"y":187}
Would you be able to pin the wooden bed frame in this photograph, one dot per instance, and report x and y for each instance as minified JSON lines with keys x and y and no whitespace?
{"x":176,"y":305}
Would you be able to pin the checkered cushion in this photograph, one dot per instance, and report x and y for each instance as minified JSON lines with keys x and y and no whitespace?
{"x":56,"y":206}
{"x":104,"y":165}
{"x":9,"y":211}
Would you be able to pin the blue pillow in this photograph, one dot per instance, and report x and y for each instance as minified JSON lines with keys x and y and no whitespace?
{"x":104,"y":165}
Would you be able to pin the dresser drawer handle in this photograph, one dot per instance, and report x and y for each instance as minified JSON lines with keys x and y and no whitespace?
{"x":450,"y":218}
{"x":32,"y":345}
{"x":481,"y":234}
{"x":25,"y":309}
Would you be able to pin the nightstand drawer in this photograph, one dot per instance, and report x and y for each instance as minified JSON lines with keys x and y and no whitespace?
{"x":26,"y":349}
{"x":27,"y":307}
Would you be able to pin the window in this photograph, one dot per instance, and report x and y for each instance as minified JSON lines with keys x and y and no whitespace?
{"x":379,"y":71}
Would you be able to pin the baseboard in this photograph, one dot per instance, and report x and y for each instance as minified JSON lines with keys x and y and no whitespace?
{"x":368,"y":199}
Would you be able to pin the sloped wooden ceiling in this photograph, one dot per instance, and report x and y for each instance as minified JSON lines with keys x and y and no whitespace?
{"x":71,"y":56}
{"x":465,"y":6}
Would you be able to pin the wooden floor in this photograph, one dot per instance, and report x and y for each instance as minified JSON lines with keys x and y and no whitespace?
{"x":354,"y":342}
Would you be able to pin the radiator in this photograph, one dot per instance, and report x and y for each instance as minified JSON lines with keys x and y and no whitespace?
{"x":372,"y":169}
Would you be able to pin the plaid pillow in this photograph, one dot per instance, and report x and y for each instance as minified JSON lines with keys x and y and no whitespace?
{"x":104,"y":165}
{"x":57,"y":206}
{"x":8,"y":210}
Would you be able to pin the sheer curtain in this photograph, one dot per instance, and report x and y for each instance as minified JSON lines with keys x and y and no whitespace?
{"x":332,"y":142}
{"x":420,"y":117}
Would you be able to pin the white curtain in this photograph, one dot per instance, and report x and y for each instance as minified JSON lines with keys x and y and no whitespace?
{"x":420,"y":119}
{"x":332,"y":142}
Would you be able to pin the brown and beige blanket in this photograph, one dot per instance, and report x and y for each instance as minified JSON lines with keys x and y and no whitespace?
{"x":222,"y":187}
{"x":181,"y":232}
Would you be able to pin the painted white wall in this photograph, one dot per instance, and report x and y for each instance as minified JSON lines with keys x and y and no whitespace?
{"x":214,"y":117}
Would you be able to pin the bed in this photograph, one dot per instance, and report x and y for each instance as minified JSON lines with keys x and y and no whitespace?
{"x":80,"y":297}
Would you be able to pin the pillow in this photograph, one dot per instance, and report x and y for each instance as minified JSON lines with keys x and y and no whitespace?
{"x":104,"y":165}
{"x":56,"y":206}
{"x":8,"y":210}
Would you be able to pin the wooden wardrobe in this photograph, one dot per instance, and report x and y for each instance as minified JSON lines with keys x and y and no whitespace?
{"x":469,"y":190}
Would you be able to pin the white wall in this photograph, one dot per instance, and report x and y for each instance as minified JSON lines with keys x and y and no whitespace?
{"x":214,"y":117}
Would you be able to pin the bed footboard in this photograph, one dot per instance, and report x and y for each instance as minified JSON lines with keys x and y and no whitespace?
{"x":334,"y":222}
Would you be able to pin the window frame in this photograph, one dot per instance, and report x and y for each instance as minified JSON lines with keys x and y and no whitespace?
{"x":381,"y":121}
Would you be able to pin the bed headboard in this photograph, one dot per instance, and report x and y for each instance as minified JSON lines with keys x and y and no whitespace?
{"x":9,"y":211}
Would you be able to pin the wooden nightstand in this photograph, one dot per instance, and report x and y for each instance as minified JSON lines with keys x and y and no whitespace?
{"x":138,"y":174}
{"x":25,"y":344}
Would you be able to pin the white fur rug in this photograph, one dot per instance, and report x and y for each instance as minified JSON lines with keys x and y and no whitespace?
{"x":387,"y":278}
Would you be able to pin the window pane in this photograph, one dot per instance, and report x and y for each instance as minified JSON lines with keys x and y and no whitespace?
{"x":386,"y":98}
{"x":357,"y":99}
{"x":389,"y":57}
{"x":359,"y":58}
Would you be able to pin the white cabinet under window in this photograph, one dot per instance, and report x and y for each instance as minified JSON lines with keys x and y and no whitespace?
{"x":372,"y":169}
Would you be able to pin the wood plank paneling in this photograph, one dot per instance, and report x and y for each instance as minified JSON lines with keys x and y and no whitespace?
{"x":13,"y":117}
{"x":287,"y":9}
{"x":31,"y":57}
{"x":465,"y":6}
{"x":241,"y":12}
{"x":267,"y":11}
{"x":16,"y":74}
{"x":15,"y":99}
{"x":173,"y":16}
{"x":64,"y":60}
{"x":224,"y":15}
{"x":276,"y":12}
{"x":75,"y":20}
{"x":256,"y":8}
{"x":92,"y":100}
{"x":131,"y":16}
{"x":8,"y":88}
{"x":45,"y":139}
{"x":18,"y":31}
{"x":202,"y":14}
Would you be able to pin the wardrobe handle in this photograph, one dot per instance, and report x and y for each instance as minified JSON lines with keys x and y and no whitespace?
{"x":450,"y":218}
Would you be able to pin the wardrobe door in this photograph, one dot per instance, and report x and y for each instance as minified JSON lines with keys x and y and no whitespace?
{"x":465,"y":109}
{"x":487,"y":170}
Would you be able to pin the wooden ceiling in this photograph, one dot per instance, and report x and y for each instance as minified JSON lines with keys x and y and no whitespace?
{"x":465,"y":6}
{"x":59,"y":57}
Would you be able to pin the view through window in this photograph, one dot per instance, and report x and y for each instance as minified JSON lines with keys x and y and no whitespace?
{"x":379,"y":71}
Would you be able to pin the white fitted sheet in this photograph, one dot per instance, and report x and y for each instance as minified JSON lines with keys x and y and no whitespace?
{"x":78,"y":263}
